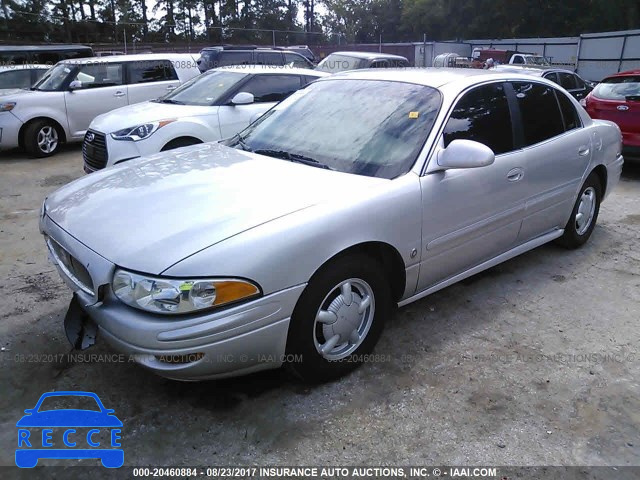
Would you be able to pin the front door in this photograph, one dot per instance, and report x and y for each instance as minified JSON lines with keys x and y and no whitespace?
{"x":472,"y":215}
{"x":100,"y":89}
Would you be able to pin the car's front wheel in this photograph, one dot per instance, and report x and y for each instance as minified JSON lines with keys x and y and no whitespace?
{"x":42,"y":138}
{"x":584,"y":215}
{"x":338,"y":318}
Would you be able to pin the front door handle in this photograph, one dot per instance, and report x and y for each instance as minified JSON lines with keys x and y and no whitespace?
{"x":171,"y":87}
{"x":119,"y":94}
{"x":515,"y":174}
{"x":583,"y":151}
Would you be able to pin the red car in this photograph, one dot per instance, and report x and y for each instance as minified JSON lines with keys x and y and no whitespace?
{"x":617,"y":98}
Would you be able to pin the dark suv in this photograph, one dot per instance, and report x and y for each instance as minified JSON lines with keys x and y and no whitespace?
{"x":212,"y":57}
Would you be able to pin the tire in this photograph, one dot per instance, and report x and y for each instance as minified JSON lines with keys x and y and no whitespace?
{"x":586,"y":209}
{"x":42,"y":138}
{"x":180,"y":142}
{"x":328,"y":291}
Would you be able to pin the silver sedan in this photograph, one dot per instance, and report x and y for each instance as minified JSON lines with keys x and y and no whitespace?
{"x":292,"y":241}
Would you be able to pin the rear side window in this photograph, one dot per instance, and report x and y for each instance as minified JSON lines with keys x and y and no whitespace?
{"x":567,"y":80}
{"x":296,"y":60}
{"x":234,"y":58}
{"x":151,"y":71}
{"x":619,"y":88}
{"x":569,"y":112}
{"x":540,"y":112}
{"x":482,"y":115}
{"x":553,"y":76}
{"x":272,"y":88}
{"x":269,"y":58}
{"x":15,"y":79}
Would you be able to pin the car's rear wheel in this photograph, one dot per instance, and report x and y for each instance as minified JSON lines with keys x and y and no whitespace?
{"x":584,"y":215}
{"x":42,"y":138}
{"x":338,"y":318}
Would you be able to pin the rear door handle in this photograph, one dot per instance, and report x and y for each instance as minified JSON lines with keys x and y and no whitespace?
{"x":171,"y":87}
{"x":583,"y":151}
{"x":515,"y":174}
{"x":119,"y":94}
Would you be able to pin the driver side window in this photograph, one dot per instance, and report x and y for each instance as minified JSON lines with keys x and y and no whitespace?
{"x":99,"y":75}
{"x":482,"y":115}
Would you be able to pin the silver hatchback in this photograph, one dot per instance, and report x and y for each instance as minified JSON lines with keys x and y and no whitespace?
{"x":292,"y":241}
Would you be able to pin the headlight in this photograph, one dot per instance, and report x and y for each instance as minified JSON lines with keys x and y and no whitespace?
{"x":171,"y":296}
{"x":139,"y":132}
{"x":7,"y":106}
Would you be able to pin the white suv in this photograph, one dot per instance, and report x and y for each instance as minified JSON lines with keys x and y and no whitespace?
{"x":60,"y":107}
{"x":216,"y":105}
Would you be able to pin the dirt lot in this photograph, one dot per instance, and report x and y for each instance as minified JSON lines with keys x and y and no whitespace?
{"x":535,"y":362}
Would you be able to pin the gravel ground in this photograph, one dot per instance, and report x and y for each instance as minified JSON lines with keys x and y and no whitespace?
{"x":534,"y":362}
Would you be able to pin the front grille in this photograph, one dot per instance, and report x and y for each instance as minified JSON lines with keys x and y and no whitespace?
{"x":94,"y":151}
{"x":71,"y":267}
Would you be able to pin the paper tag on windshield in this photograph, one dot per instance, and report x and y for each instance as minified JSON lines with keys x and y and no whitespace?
{"x":413,"y":114}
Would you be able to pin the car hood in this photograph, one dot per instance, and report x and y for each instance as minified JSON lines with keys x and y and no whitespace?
{"x":69,"y":418}
{"x":150,"y":213}
{"x":140,"y":113}
{"x":9,"y":94}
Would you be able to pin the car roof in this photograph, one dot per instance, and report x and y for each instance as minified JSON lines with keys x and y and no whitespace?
{"x":628,"y":73}
{"x":29,"y":66}
{"x":131,"y":58}
{"x":257,"y":69}
{"x":531,"y":70}
{"x":369,"y":55}
{"x":24,"y":48}
{"x":432,"y":76}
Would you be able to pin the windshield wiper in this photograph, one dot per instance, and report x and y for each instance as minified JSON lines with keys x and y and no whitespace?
{"x":168,"y":100}
{"x":632,"y":98}
{"x":293,"y":157}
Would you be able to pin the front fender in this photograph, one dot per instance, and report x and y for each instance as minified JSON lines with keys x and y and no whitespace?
{"x":289,"y":250}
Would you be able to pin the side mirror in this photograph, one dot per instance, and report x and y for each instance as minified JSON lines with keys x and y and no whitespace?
{"x":75,"y":85}
{"x":465,"y":154}
{"x":242,"y":98}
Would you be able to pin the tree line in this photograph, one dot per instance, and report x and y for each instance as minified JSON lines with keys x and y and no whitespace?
{"x":306,"y":21}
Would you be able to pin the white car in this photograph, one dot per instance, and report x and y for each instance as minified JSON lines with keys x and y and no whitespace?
{"x":60,"y":107}
{"x":20,"y":76}
{"x":216,"y":105}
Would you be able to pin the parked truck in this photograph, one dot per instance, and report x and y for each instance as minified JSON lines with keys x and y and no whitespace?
{"x":484,"y":56}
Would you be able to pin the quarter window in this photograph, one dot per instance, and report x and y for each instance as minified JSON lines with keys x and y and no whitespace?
{"x":569,"y":112}
{"x":482,"y":115}
{"x":271,"y":88}
{"x":540,"y":112}
{"x":151,"y":71}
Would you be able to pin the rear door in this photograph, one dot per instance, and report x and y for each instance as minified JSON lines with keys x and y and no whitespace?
{"x":267,"y":90}
{"x":149,"y":79}
{"x":101,"y":90}
{"x":558,"y":151}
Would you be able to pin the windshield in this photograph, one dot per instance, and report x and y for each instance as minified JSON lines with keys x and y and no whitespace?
{"x":54,"y":78}
{"x":619,"y":88}
{"x":366,"y":127}
{"x":205,"y":89}
{"x":337,"y":63}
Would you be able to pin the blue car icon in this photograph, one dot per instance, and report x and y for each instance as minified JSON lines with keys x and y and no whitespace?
{"x":82,"y":431}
